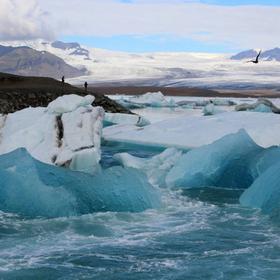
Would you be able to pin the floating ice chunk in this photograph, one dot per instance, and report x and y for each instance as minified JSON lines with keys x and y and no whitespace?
{"x":118,"y":118}
{"x":262,"y":108}
{"x":265,"y":192}
{"x":69,"y":103}
{"x":62,"y":139}
{"x":155,"y":168}
{"x":223,"y":102}
{"x":264,"y":160}
{"x":220,"y":164}
{"x":195,"y":131}
{"x":152,"y":99}
{"x":210,"y":110}
{"x":203,"y":103}
{"x":262,"y":105}
{"x":127,"y":104}
{"x":31,"y":188}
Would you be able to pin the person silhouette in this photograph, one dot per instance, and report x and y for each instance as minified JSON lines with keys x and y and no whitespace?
{"x":63,"y":79}
{"x":86,"y":86}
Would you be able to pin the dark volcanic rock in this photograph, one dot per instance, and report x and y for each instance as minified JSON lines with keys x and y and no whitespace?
{"x":17,"y":92}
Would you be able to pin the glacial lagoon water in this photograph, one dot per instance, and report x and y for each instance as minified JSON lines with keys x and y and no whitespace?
{"x":196,"y":234}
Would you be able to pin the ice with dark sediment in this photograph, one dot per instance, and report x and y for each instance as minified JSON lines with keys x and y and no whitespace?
{"x":262,"y":105}
{"x":66,"y":133}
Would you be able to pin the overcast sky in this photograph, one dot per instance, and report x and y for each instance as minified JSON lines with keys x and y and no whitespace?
{"x":143,"y":25}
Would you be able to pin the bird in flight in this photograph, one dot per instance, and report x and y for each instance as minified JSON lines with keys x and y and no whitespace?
{"x":257,"y":58}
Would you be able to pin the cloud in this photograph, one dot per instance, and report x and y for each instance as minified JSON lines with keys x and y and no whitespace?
{"x":22,"y":20}
{"x":238,"y":26}
{"x":235,"y":26}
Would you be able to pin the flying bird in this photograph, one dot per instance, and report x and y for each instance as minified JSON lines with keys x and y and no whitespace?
{"x":257,"y":58}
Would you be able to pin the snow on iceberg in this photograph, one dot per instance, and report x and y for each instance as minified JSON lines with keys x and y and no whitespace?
{"x":156,"y":168}
{"x":69,"y":103}
{"x":265,"y":192}
{"x":194,"y":131}
{"x":220,"y":164}
{"x":31,"y":188}
{"x":119,"y":118}
{"x":151,"y":99}
{"x":57,"y":135}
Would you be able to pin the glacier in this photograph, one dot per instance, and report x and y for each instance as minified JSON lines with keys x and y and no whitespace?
{"x":31,"y":188}
{"x":264,"y":193}
{"x":66,"y":133}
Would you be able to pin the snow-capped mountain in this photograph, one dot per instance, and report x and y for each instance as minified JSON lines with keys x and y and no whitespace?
{"x":269,"y":55}
{"x":26,"y":61}
{"x":177,"y":69}
{"x":74,"y":47}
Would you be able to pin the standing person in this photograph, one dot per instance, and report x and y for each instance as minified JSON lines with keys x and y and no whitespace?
{"x":63,"y":80}
{"x":86,"y":85}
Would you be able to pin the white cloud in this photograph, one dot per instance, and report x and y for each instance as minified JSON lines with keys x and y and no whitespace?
{"x":238,"y":26}
{"x":22,"y":19}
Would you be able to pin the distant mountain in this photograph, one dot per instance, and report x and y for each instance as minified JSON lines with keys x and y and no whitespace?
{"x":249,"y":54}
{"x":273,"y":54}
{"x":29,"y":62}
{"x":74,"y":47}
{"x":269,"y":55}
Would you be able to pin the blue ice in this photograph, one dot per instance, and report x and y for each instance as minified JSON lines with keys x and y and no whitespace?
{"x":265,"y":192}
{"x":32,"y":188}
{"x":224,"y":163}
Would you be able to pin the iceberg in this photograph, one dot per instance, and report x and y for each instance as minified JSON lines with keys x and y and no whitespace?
{"x":220,"y":164}
{"x":203,"y":103}
{"x":156,"y":168}
{"x":119,"y":118}
{"x":264,"y":193}
{"x":69,"y":103}
{"x":31,"y":188}
{"x":210,"y":110}
{"x":262,"y":106}
{"x":187,"y":132}
{"x":223,"y":102}
{"x":264,"y":160}
{"x":66,"y":133}
{"x":149,"y":99}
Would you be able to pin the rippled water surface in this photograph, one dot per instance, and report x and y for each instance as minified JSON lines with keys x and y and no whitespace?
{"x":201,"y":234}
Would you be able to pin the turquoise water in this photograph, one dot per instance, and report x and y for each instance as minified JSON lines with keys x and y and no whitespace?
{"x":199,"y":234}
